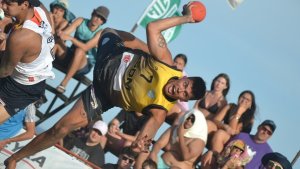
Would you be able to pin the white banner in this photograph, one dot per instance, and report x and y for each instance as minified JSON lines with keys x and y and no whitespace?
{"x":51,"y":158}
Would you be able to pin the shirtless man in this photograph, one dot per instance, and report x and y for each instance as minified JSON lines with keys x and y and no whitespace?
{"x":27,"y":60}
{"x":183,"y":144}
{"x":129,"y":74}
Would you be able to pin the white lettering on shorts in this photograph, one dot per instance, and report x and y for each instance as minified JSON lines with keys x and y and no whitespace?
{"x":105,"y":40}
{"x":125,"y":61}
{"x":94,"y":103}
{"x":2,"y":102}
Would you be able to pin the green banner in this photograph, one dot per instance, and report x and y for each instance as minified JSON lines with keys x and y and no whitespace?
{"x":159,"y":9}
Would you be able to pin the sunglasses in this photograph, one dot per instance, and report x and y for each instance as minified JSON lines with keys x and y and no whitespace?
{"x":192,"y":118}
{"x":98,"y":132}
{"x":241,"y":150}
{"x":127,"y":158}
{"x":272,"y":164}
{"x":269,"y":132}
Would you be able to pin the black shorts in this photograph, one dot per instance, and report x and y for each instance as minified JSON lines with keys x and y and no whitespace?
{"x":16,"y":96}
{"x":92,"y":105}
{"x":96,"y":97}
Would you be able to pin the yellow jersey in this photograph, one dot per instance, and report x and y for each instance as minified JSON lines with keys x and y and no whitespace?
{"x":143,"y":82}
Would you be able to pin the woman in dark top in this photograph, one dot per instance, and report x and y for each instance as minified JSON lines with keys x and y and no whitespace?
{"x":237,"y":118}
{"x":215,"y":99}
{"x":234,"y":118}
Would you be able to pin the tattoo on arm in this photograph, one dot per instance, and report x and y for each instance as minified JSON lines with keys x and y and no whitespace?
{"x":161,"y":41}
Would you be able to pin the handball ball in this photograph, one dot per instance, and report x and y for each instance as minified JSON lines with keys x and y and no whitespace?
{"x":198,"y":10}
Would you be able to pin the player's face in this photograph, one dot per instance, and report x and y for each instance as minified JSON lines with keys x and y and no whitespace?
{"x":12,"y":8}
{"x":180,"y":89}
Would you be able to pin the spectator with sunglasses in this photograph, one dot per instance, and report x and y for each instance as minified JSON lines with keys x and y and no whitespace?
{"x":81,"y":56}
{"x":90,"y":149}
{"x":257,"y":143}
{"x":183,"y":144}
{"x":275,"y":161}
{"x":126,"y":160}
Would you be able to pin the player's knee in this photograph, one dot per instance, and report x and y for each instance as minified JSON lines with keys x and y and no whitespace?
{"x":59,"y":131}
{"x":109,"y":30}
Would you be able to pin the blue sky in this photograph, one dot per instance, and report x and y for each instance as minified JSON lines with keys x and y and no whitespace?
{"x":257,"y":45}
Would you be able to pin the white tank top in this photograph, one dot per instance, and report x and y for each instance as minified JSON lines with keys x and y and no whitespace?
{"x":41,"y":68}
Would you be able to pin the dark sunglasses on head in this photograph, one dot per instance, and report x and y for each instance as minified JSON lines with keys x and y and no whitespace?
{"x":273,"y":164}
{"x":192,"y":118}
{"x":98,"y":132}
{"x":127,"y":158}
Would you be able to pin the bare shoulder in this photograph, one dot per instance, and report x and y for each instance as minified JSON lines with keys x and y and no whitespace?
{"x":24,"y":37}
{"x":197,"y":144}
{"x":24,"y":43}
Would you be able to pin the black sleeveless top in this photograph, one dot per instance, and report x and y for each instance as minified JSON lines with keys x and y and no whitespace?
{"x":212,"y":109}
{"x":244,"y":119}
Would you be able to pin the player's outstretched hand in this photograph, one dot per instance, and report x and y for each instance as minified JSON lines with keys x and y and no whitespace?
{"x":141,"y":145}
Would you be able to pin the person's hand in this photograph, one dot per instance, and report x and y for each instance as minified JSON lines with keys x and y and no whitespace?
{"x":3,"y":144}
{"x":64,"y":36}
{"x":187,"y":12}
{"x":141,"y":145}
{"x":228,"y":129}
{"x":180,"y":130}
{"x":119,"y":133}
{"x":2,"y":36}
{"x":233,"y":162}
{"x":207,"y":158}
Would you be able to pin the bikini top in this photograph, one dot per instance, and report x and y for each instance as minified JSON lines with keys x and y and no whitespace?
{"x":212,"y":109}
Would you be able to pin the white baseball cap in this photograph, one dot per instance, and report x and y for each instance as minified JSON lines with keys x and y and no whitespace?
{"x":101,"y":126}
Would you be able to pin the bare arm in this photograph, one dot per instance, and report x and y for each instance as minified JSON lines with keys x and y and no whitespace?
{"x":30,"y":131}
{"x":17,"y":50}
{"x":150,"y":128}
{"x":127,"y":137}
{"x":234,"y":123}
{"x":71,"y":28}
{"x":89,"y":45}
{"x":52,"y":23}
{"x":191,"y":150}
{"x":155,"y":40}
{"x":221,"y":114}
{"x":160,"y":144}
